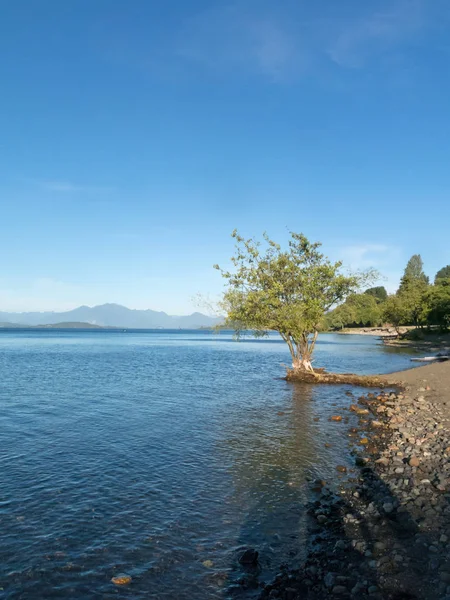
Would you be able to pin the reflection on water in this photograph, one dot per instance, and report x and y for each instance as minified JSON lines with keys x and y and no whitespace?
{"x":115,"y":461}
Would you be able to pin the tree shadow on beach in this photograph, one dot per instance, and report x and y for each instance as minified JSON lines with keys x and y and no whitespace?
{"x":360,"y":542}
{"x":365,"y":546}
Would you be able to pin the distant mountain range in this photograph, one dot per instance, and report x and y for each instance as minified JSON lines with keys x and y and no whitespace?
{"x":111,"y":315}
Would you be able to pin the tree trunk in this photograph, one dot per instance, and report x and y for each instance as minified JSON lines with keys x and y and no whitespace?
{"x":301,"y":351}
{"x":302,"y":364}
{"x":305,"y":348}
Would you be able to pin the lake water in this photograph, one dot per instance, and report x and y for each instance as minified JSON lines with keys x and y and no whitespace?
{"x":160,"y":454}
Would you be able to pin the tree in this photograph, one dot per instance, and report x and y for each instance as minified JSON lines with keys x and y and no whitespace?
{"x":359,"y":310}
{"x":414,"y":300}
{"x":412,"y":291}
{"x":438,"y":299}
{"x":379,"y":293}
{"x":342,"y":316}
{"x":288,"y":291}
{"x":413,"y":273}
{"x":395,"y":312}
{"x":366,"y":310}
{"x":443,"y":273}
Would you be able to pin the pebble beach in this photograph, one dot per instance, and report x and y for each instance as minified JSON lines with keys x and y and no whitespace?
{"x":384,"y":533}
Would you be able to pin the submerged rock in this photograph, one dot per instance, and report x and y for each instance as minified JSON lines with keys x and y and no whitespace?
{"x":249,"y":557}
{"x":121,"y":579}
{"x":208,"y":564}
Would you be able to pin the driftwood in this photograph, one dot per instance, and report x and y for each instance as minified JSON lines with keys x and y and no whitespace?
{"x":320,"y":376}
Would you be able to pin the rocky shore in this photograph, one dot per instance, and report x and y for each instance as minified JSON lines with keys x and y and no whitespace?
{"x":383,"y":332}
{"x":384,"y":533}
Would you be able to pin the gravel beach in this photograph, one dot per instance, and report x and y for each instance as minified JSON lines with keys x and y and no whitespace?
{"x":385,"y":531}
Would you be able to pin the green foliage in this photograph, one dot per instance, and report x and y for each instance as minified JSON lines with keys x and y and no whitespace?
{"x":443,"y":273}
{"x":379,"y":293}
{"x":359,"y":310}
{"x":413,"y":292}
{"x":414,"y":299}
{"x":413,"y":273}
{"x":288,"y":291}
{"x":395,"y":311}
{"x":438,"y":301}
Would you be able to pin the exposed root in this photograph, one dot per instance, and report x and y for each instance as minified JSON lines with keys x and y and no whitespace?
{"x":322,"y":377}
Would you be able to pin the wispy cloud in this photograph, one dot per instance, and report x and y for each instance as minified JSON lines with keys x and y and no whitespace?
{"x":290,"y":39}
{"x":235,"y":37}
{"x":277,"y":41}
{"x":355,"y":40}
{"x":366,"y":255}
{"x":70,"y":188}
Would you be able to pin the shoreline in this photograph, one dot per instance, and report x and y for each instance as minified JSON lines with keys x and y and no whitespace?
{"x":384,"y":532}
{"x":381,"y":332}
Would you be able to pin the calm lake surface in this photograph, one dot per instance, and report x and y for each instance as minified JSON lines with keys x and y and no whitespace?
{"x":150,"y":453}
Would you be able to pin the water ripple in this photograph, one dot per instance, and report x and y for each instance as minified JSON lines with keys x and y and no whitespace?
{"x":115,"y":460}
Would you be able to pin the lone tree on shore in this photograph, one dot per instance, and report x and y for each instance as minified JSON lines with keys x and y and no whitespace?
{"x":288,"y":291}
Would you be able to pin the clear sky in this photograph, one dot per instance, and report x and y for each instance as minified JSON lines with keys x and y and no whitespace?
{"x":135,"y":136}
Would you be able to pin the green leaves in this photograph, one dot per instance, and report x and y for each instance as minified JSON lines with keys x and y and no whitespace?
{"x":438,"y":303}
{"x":288,"y":290}
{"x":379,"y":293}
{"x":443,"y":273}
{"x":359,"y":310}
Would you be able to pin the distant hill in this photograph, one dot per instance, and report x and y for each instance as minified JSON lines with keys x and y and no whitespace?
{"x":69,"y":326}
{"x":110,"y":315}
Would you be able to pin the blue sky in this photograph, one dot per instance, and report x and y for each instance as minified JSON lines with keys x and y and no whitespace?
{"x":135,"y":136}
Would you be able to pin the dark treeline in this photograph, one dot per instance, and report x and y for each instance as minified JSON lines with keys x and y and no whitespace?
{"x":417,"y":302}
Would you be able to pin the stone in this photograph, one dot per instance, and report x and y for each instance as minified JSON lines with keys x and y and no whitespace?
{"x":380,"y":546}
{"x":341,"y":469}
{"x":208,"y":564}
{"x":388,"y":507}
{"x":445,"y":576}
{"x":121,"y":579}
{"x":339,"y":589}
{"x":336,"y":418}
{"x":321,"y":519}
{"x":340,"y":545}
{"x":249,"y":557}
{"x":414,"y":461}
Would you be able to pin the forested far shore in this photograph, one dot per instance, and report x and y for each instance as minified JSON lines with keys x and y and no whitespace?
{"x":417,"y":302}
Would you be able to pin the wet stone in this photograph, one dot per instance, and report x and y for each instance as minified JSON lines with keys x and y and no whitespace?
{"x":121,"y":579}
{"x":339,"y":590}
{"x":249,"y":557}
